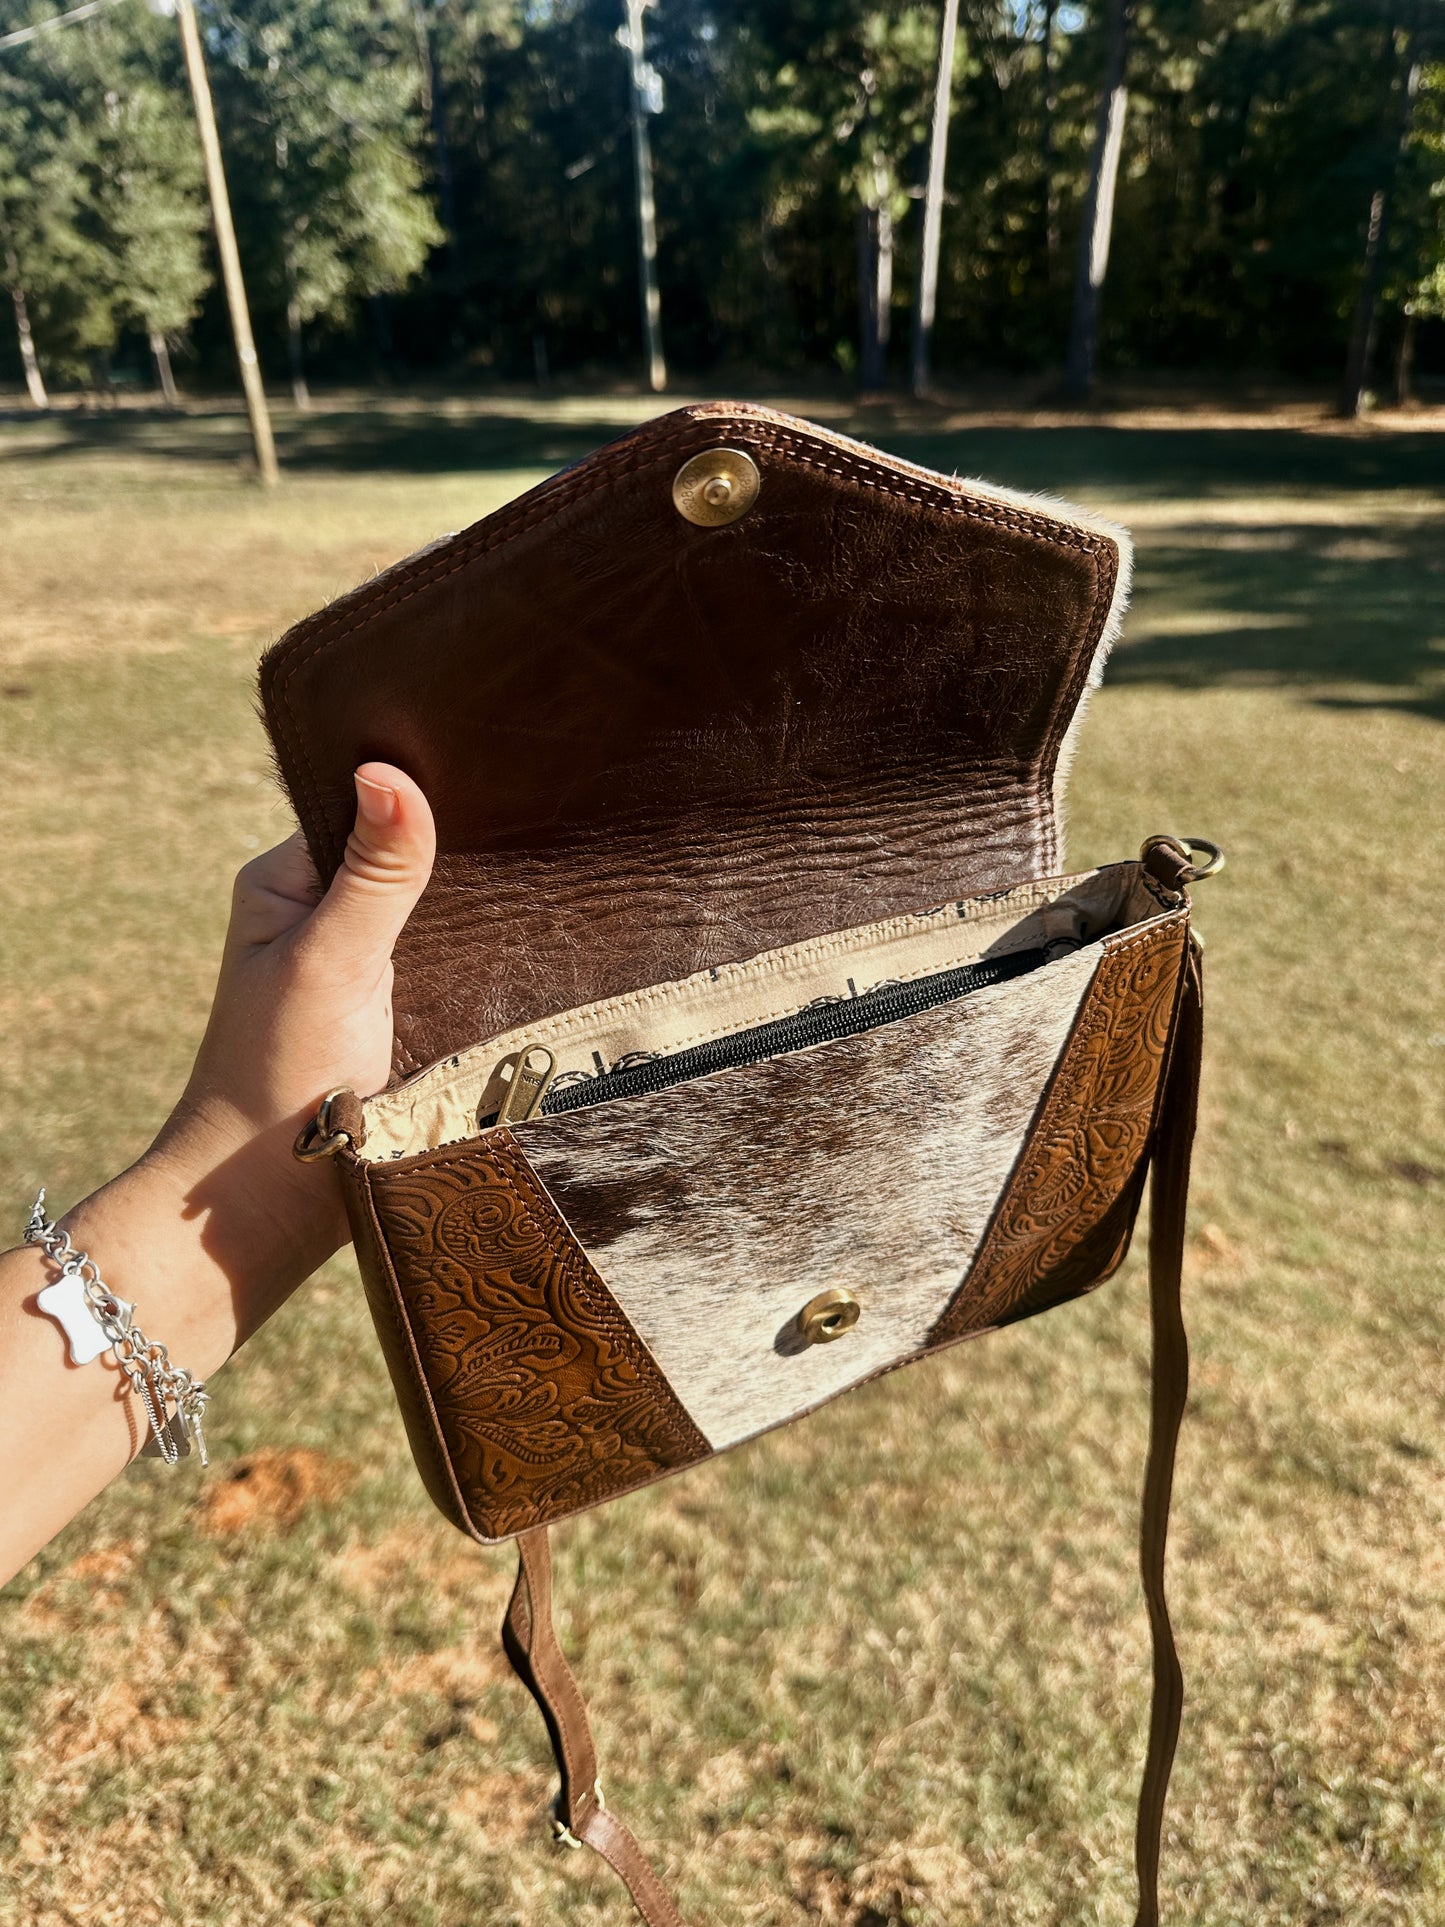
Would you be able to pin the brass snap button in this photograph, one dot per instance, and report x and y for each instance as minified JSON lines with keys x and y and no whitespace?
{"x":716,"y":487}
{"x":828,"y":1316}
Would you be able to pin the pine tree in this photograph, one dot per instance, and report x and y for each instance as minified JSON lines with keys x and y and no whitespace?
{"x":843,"y":94}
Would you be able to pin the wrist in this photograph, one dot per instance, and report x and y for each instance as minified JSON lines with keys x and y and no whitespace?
{"x":209,"y":1232}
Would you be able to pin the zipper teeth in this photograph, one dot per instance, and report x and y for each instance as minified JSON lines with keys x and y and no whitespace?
{"x":828,"y":1023}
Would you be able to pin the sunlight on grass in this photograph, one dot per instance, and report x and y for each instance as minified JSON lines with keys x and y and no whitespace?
{"x":887,"y":1666}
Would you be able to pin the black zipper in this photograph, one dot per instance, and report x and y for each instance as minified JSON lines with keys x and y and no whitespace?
{"x":822,"y":1024}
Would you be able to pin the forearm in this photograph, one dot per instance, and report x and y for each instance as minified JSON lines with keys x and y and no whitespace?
{"x":195,"y":1237}
{"x":218,"y":1223}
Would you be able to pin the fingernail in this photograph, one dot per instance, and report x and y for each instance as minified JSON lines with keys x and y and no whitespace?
{"x":376,"y":802}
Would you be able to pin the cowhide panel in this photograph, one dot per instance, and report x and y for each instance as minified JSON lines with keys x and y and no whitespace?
{"x":1052,"y":1234}
{"x":716,"y":1210}
{"x":506,"y":1348}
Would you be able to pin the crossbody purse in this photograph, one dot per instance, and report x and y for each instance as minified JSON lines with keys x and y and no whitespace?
{"x":749,"y":1040}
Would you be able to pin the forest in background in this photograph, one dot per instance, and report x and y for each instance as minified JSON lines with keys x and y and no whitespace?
{"x":447,"y":187}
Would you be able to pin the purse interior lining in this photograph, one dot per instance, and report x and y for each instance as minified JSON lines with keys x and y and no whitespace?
{"x":441,"y":1105}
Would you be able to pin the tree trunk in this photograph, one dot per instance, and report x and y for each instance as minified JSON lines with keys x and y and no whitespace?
{"x":435,"y":103}
{"x":102,"y":382}
{"x":923,"y":313}
{"x":165,"y":379}
{"x":1405,"y":363}
{"x":646,"y":207}
{"x":1361,"y":350}
{"x":875,"y":291}
{"x":1097,"y":225}
{"x":296,"y":353}
{"x":380,"y":306}
{"x":1046,"y":147}
{"x":34,"y":383}
{"x":875,"y":285}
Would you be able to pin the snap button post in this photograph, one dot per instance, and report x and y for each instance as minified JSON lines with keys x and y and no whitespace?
{"x":716,"y":487}
{"x":828,"y":1316}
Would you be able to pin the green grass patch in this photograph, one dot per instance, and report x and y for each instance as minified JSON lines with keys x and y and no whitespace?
{"x":888,"y":1666}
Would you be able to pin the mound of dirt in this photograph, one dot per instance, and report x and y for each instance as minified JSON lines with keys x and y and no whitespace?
{"x":270,"y":1490}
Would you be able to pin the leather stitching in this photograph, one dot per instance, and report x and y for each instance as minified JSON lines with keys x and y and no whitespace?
{"x":561,"y":493}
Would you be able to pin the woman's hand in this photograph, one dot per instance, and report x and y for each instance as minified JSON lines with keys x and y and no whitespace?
{"x":214,"y":1226}
{"x":302,"y":1006}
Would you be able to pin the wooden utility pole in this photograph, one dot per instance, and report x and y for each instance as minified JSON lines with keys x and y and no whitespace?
{"x":933,"y":203}
{"x":643,"y":88}
{"x":226,"y":243}
{"x":1098,"y":219}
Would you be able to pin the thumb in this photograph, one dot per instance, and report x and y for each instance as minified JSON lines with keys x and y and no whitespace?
{"x":387,"y":863}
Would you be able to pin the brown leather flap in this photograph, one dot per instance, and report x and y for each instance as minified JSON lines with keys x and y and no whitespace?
{"x":653,"y":747}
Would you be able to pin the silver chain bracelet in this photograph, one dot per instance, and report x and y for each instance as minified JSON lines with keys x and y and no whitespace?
{"x":93,"y":1318}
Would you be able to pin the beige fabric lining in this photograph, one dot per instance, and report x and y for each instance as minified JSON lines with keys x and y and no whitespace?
{"x":442,"y":1104}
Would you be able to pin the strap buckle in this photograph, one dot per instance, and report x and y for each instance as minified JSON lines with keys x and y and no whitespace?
{"x":562,"y":1834}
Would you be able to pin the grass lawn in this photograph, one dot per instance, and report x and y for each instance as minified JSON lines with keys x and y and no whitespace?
{"x":888,"y":1666}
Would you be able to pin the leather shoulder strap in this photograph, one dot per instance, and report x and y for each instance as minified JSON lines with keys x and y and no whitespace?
{"x":1169,"y":1382}
{"x":581,"y":1817}
{"x":580,"y":1814}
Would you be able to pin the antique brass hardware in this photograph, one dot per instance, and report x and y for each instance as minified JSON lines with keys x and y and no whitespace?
{"x":1187,"y":846}
{"x":316,"y":1138}
{"x":532,"y":1072}
{"x":828,"y":1316}
{"x":716,"y":487}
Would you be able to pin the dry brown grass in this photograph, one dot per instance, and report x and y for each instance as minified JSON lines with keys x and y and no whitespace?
{"x":887,"y":1666}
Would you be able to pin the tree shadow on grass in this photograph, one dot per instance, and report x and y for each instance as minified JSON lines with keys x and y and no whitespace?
{"x":1355,"y":618}
{"x":1349,"y":612}
{"x":423,"y":435}
{"x":440,"y":443}
{"x":407,"y":440}
{"x":1097,"y":460}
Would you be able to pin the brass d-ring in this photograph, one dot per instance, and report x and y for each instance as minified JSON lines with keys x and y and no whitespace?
{"x":1186,"y":846}
{"x":316,"y":1139}
{"x":1213,"y":855}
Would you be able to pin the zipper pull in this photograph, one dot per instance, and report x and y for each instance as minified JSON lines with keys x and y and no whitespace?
{"x":533,"y":1068}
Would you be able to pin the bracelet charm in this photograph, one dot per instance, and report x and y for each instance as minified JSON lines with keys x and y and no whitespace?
{"x":94,"y":1320}
{"x":68,"y":1302}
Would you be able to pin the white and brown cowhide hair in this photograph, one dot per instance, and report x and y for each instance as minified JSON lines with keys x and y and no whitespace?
{"x":714,"y":1211}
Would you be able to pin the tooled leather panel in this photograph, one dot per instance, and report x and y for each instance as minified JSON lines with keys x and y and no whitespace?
{"x":1058,"y":1227}
{"x":1093,"y":1260}
{"x":652,"y":748}
{"x":388,"y":1312}
{"x":546,"y":1399}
